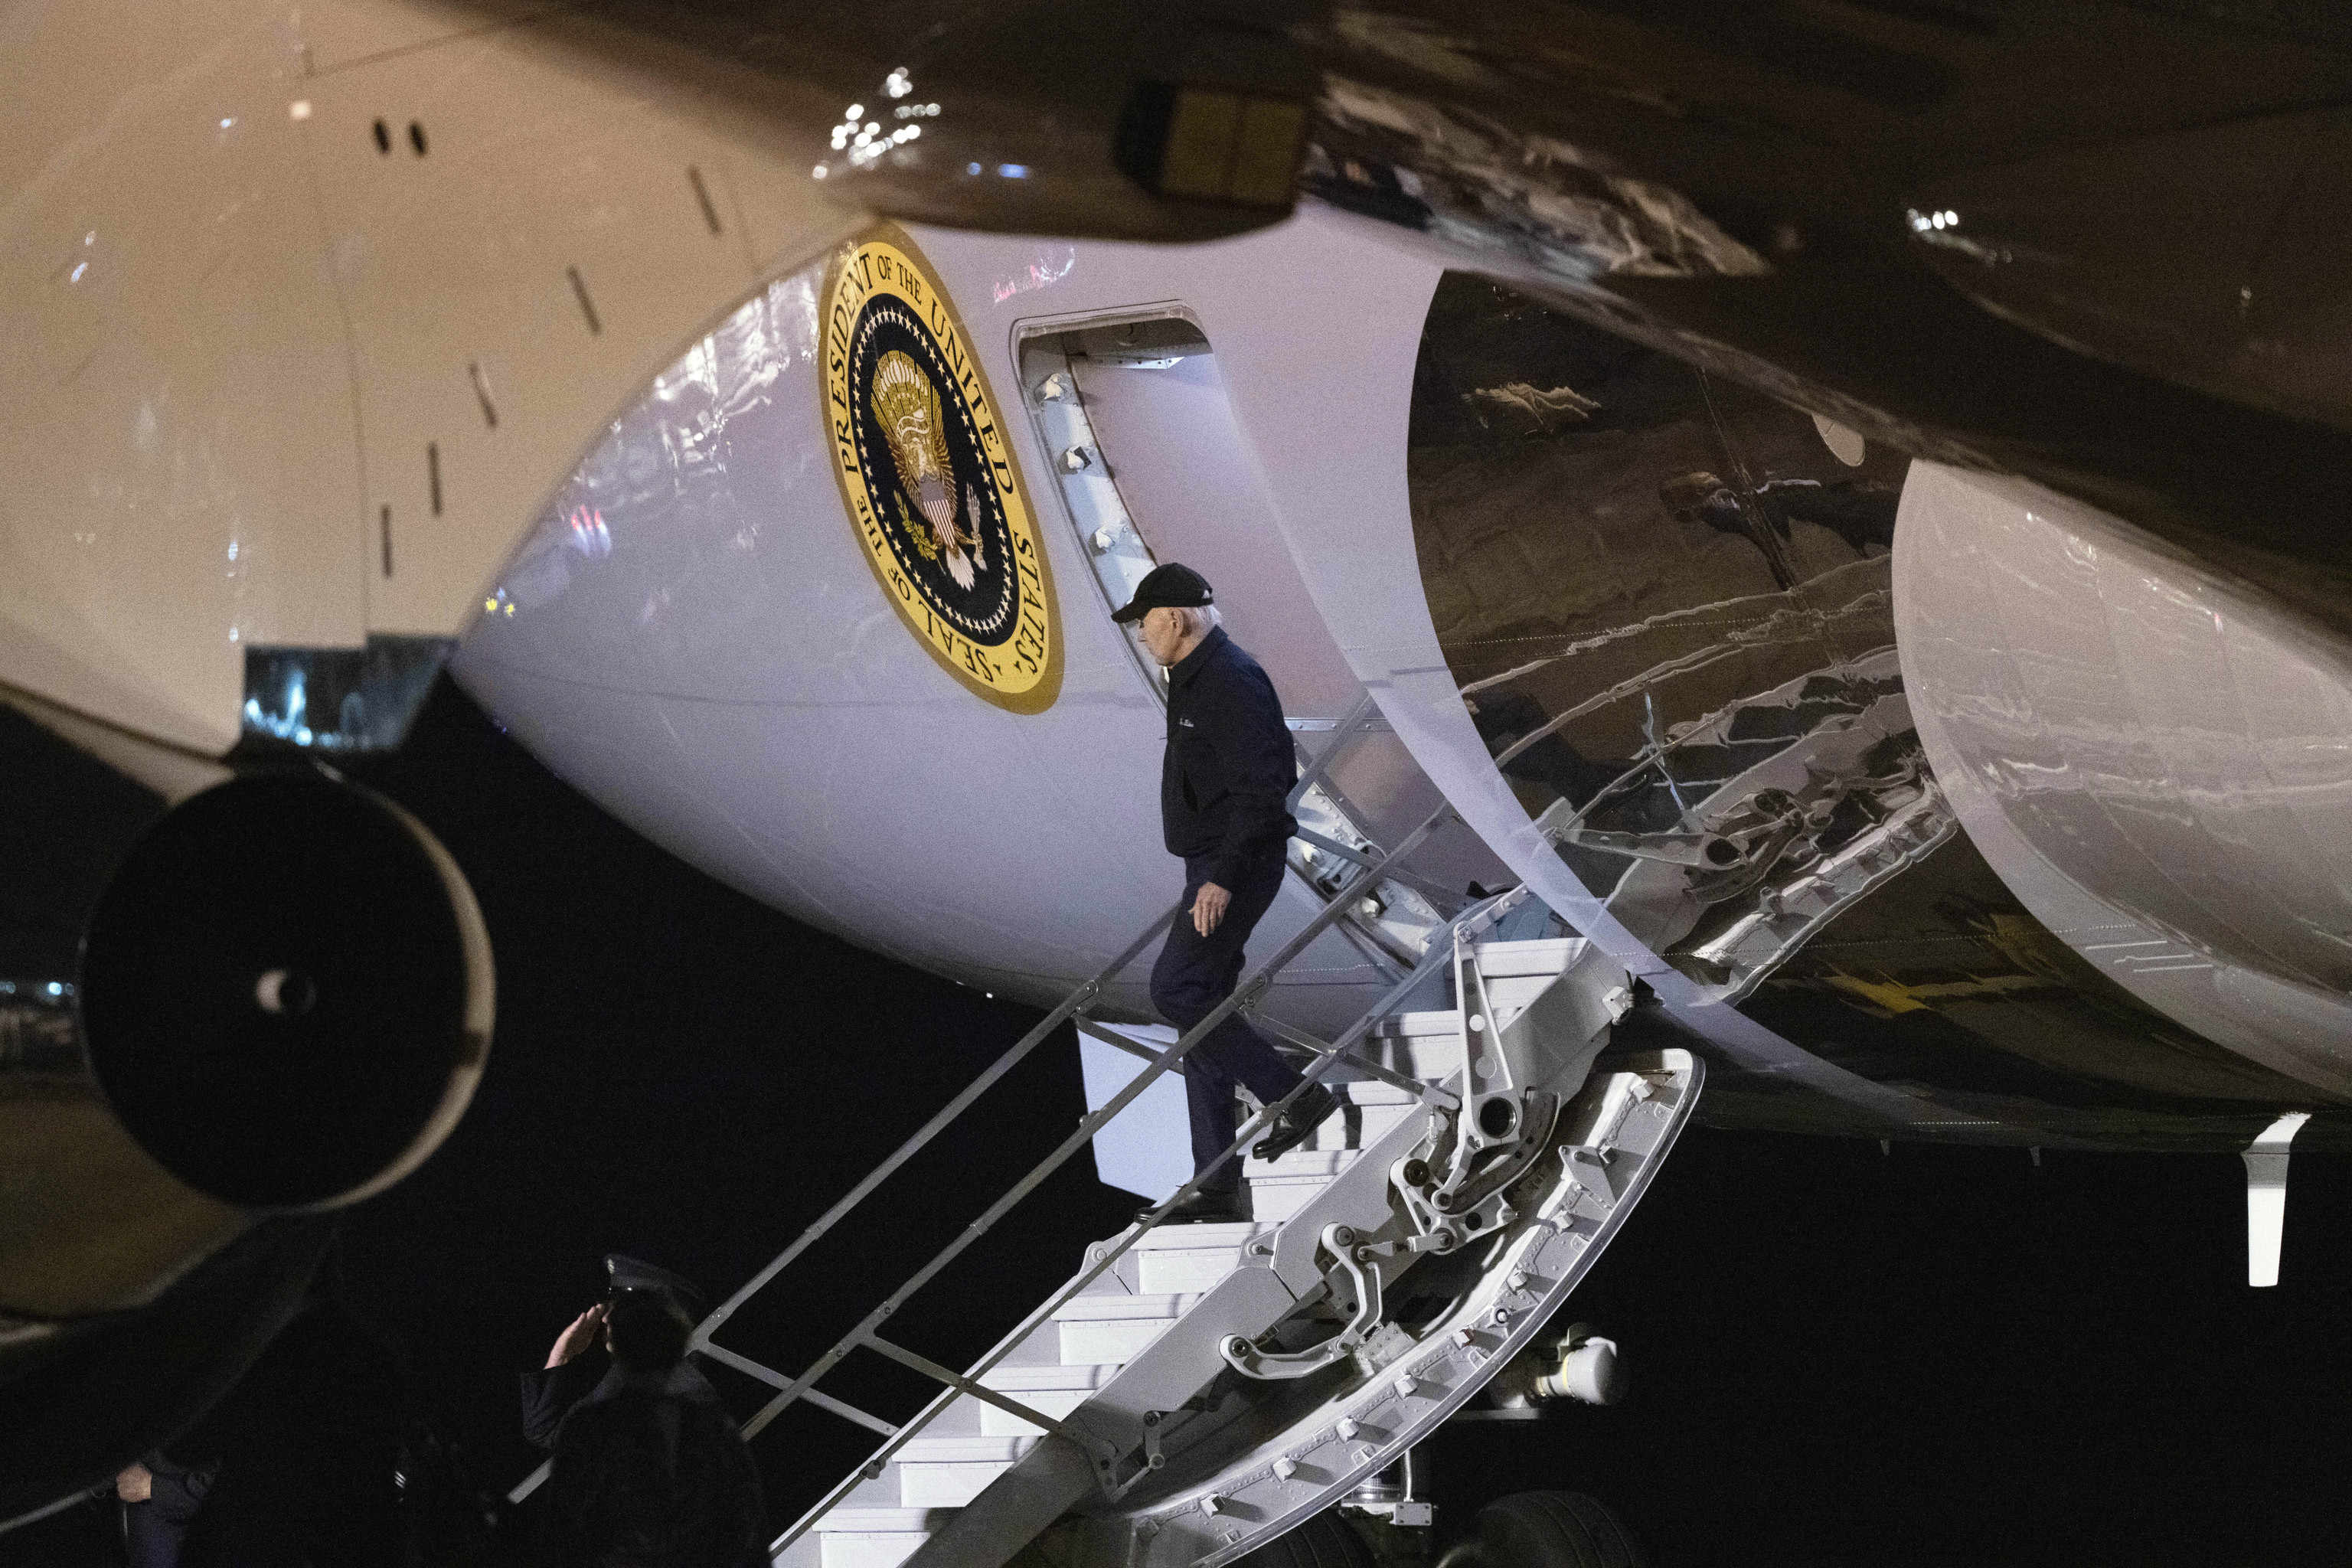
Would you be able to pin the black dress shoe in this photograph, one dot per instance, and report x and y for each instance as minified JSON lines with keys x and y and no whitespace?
{"x":1289,"y":1129}
{"x":1207,"y":1207}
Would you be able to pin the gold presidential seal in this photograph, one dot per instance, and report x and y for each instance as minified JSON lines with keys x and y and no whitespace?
{"x":929,"y":477}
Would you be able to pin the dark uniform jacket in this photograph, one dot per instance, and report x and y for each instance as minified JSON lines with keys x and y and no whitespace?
{"x":1225,"y":784}
{"x":647,"y":1478}
{"x":551,"y":1394}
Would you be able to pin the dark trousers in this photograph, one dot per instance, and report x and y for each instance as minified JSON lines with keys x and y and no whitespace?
{"x":1194,"y":973}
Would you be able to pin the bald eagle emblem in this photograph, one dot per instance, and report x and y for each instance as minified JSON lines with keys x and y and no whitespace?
{"x":908,"y":407}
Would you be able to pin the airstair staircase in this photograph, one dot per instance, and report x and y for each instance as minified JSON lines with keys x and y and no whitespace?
{"x":1193,"y":1390}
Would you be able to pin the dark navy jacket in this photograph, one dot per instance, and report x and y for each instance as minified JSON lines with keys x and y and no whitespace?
{"x":1224,"y":784}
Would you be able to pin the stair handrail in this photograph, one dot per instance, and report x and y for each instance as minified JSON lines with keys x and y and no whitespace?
{"x":1244,"y":995}
{"x":989,"y":1076}
{"x":1440,"y":952}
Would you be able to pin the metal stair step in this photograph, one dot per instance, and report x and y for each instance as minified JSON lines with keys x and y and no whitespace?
{"x":1319,"y":1164}
{"x":866,"y":1549}
{"x":884,"y":1520}
{"x":1123,"y":1307}
{"x":1020,"y":1382}
{"x":1110,"y":1329}
{"x":948,"y":1472}
{"x":1194,"y":1236}
{"x":1052,"y":1390}
{"x":1189,"y":1258}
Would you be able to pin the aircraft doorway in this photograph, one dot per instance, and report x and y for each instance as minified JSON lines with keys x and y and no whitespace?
{"x":1152,"y":465}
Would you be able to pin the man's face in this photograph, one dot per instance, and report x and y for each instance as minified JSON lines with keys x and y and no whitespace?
{"x":1163,"y":631}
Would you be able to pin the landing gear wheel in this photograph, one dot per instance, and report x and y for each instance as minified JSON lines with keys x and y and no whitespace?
{"x":1551,"y":1529}
{"x":1323,"y":1541}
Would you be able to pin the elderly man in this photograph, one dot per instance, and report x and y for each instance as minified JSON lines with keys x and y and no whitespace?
{"x":1225,"y":794}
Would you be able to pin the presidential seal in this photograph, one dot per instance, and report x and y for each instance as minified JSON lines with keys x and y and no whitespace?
{"x":929,"y":479}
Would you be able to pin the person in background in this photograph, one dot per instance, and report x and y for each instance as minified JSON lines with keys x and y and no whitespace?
{"x":160,"y":1496}
{"x":572,"y":1377}
{"x":644,"y":1476}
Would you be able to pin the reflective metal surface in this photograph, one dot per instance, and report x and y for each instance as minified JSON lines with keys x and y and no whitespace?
{"x":1669,"y":605}
{"x":2157,"y":758}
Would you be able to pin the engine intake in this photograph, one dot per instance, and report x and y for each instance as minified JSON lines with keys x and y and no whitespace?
{"x":286,"y":993}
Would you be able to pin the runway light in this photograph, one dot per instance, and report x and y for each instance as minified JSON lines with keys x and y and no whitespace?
{"x":1012,"y":170}
{"x":898,"y":84}
{"x":298,"y":110}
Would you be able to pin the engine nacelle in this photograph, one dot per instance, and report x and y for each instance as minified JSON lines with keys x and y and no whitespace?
{"x":228,"y":1004}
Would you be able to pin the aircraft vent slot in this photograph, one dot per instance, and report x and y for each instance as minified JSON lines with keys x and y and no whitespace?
{"x":587,"y":305}
{"x":482,"y":393}
{"x":702,"y":199}
{"x":416,"y":137}
{"x":383,"y":137}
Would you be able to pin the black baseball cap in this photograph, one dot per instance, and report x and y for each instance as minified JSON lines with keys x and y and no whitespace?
{"x":1174,"y":586}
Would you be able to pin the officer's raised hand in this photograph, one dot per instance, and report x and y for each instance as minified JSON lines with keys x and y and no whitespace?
{"x":579,"y":1336}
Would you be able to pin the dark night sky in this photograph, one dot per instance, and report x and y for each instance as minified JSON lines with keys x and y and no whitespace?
{"x":1943,"y":1356}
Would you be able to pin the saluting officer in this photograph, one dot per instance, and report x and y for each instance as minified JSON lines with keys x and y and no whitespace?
{"x":571,"y":1379}
{"x":1224,"y":808}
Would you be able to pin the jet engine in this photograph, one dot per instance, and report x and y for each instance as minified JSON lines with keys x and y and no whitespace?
{"x":232,"y":1000}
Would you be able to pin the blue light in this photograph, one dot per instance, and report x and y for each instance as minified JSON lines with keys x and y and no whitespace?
{"x":1014,"y":171}
{"x":972,"y":168}
{"x":57,"y":988}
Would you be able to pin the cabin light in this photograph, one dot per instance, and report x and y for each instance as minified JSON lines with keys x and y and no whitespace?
{"x":298,"y":110}
{"x":817,"y":173}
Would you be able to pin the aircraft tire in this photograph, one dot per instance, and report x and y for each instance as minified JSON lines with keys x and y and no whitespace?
{"x":1552,"y":1530}
{"x":1323,"y":1542}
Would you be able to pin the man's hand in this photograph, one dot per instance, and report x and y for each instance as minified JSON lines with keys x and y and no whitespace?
{"x":579,"y":1336}
{"x":135,"y":1484}
{"x":1209,"y":906}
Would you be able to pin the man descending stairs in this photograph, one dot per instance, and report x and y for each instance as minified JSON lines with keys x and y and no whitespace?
{"x":1217,"y":1384}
